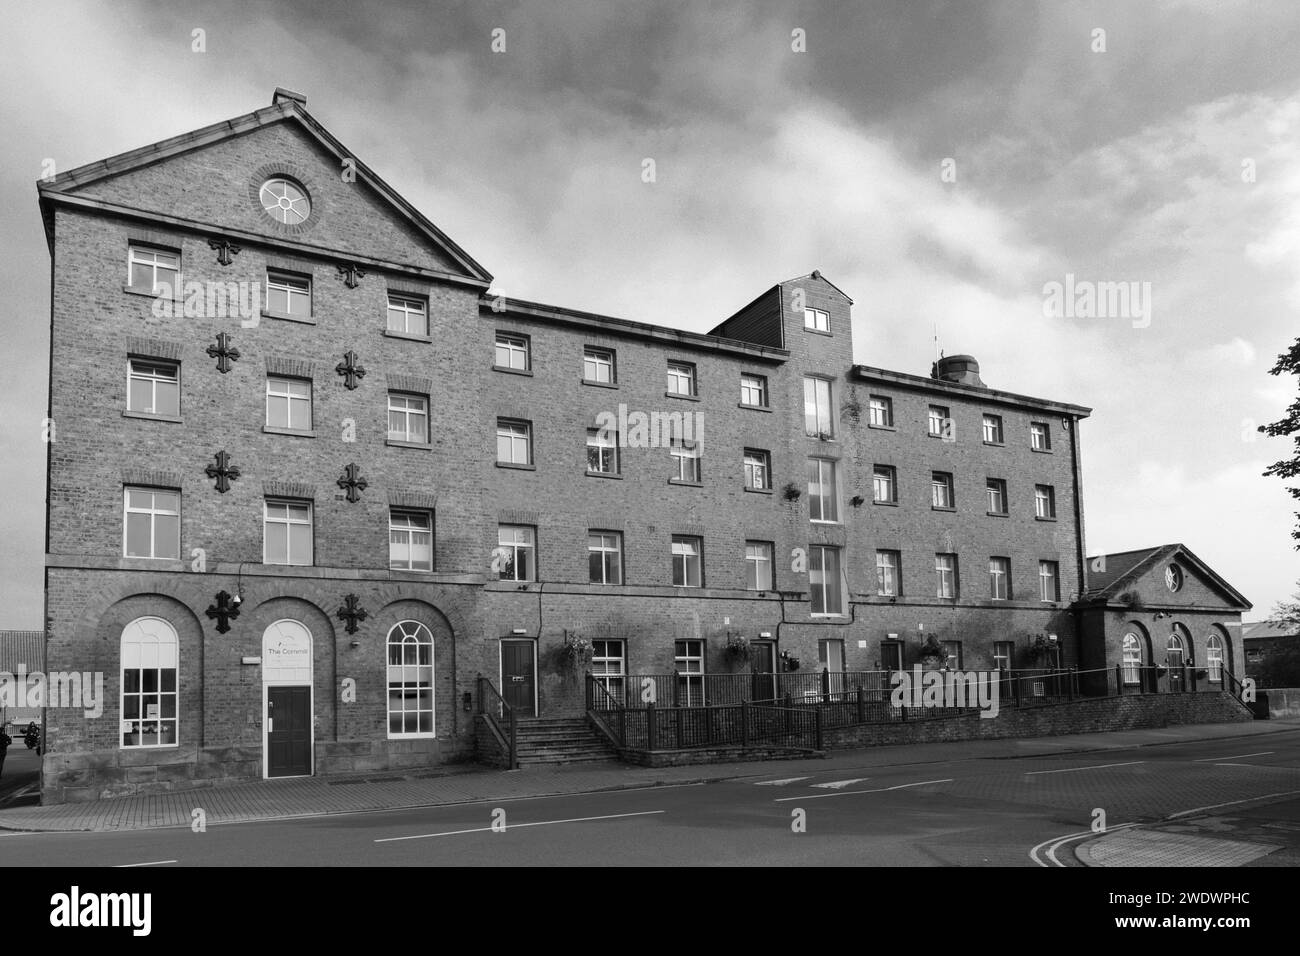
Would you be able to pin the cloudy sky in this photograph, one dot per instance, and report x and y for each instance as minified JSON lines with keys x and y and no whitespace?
{"x":1169,"y":158}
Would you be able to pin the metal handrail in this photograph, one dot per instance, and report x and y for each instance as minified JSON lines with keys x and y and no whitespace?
{"x":504,"y":712}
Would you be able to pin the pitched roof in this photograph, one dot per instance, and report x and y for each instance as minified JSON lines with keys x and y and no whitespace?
{"x":285,"y":107}
{"x":1125,"y":567}
{"x":1269,"y":629}
{"x":24,"y":649}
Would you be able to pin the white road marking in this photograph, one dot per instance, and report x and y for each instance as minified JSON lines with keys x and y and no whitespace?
{"x":849,"y":793}
{"x":839,"y":784}
{"x":517,"y":826}
{"x":127,"y":866}
{"x":1035,"y":773}
{"x":1231,"y":803}
{"x":1057,"y":842}
{"x":779,"y":783}
{"x":1262,"y":753}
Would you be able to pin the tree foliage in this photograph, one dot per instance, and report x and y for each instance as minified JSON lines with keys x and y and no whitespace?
{"x":1288,"y":363}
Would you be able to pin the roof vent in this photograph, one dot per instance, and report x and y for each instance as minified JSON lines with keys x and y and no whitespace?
{"x":959,"y":369}
{"x":282,"y":94}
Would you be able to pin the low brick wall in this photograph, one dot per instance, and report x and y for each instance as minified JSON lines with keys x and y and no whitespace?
{"x":488,"y":749}
{"x":1283,"y":701}
{"x":1139,"y":712}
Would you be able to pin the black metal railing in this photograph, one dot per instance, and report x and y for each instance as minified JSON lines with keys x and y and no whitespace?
{"x":501,"y":717}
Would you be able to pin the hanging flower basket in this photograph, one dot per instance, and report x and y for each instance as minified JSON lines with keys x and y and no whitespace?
{"x":932,"y":652}
{"x":737,"y":649}
{"x":573,"y":652}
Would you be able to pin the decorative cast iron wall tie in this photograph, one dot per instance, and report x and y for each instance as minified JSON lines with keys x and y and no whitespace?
{"x":351,"y":612}
{"x":351,"y":369}
{"x":226,"y":250}
{"x":223,"y":612}
{"x":352,"y":482}
{"x":223,"y":471}
{"x":351,"y":274}
{"x":225,"y":353}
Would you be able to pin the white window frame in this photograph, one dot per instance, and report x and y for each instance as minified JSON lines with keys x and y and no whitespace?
{"x":296,"y":289}
{"x":280,"y":387}
{"x":945,"y":572}
{"x":996,"y":491}
{"x":1214,"y":658}
{"x":411,"y":678}
{"x":608,"y":544}
{"x":149,"y":644}
{"x":404,"y":521}
{"x":758,"y":566}
{"x":753,"y":387}
{"x":999,"y":578}
{"x":1003,"y":654}
{"x":681,"y":378}
{"x":606,"y":446}
{"x":518,"y":539}
{"x":889,"y":573}
{"x":598,"y":365}
{"x":152,"y":259}
{"x":758,"y":469}
{"x":827,"y":503}
{"x":688,"y":662}
{"x":1049,"y":573}
{"x":154,"y":513}
{"x":881,"y":411}
{"x":686,"y":460}
{"x":942,"y":494}
{"x":609,"y":666}
{"x":519,"y":435}
{"x":517,"y":351}
{"x":143,"y":370}
{"x":939,"y":421}
{"x":415,"y":407}
{"x":1040,"y":436}
{"x":818,"y":320}
{"x":1044,"y":501}
{"x":689,"y":549}
{"x":992,"y":425}
{"x":825,"y":583}
{"x":1131,"y":658}
{"x":287,"y":522}
{"x":884,"y":477}
{"x":818,"y":402}
{"x":952,"y":655}
{"x":402,"y":308}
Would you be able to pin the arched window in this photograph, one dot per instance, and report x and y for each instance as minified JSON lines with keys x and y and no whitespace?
{"x":1132,"y":658}
{"x":1175,"y":651}
{"x":410,"y":680}
{"x":150,"y":674}
{"x":1214,"y":658}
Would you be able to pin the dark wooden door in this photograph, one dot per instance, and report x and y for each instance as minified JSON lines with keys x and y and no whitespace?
{"x":288,"y":734}
{"x":518,"y":676}
{"x":762,"y":667}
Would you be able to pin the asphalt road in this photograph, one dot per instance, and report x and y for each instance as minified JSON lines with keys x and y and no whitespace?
{"x":974,"y":812}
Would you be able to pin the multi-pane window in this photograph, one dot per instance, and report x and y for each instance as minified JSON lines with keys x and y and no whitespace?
{"x":758,"y":472}
{"x":758,"y":565}
{"x":1040,"y":436}
{"x":514,"y":442}
{"x":823,"y":499}
{"x":881,"y":411}
{"x":410,"y":540}
{"x":287,"y":537}
{"x":753,"y":390}
{"x":150,"y":664}
{"x":941,"y":492}
{"x":516,"y":552}
{"x":888,"y":577}
{"x":153,"y":388}
{"x":952,"y":655}
{"x":410,"y":680}
{"x":993,"y":429}
{"x":288,"y":403}
{"x":512,"y":352}
{"x":605,"y":557}
{"x":1002,"y":655}
{"x":884,"y":483}
{"x":688,"y":662}
{"x":686,"y":460}
{"x":602,"y":451}
{"x":153,"y":270}
{"x":999,"y":578}
{"x":825,"y":590}
{"x":681,"y":378}
{"x":1049,"y":581}
{"x":151,"y":523}
{"x":1214,"y":658}
{"x":1045,"y":501}
{"x":818,"y":422}
{"x":830,"y":655}
{"x":408,"y":315}
{"x":288,"y":295}
{"x":945,"y":573}
{"x":1132,"y":658}
{"x":609,"y":666}
{"x":817,"y":320}
{"x":997,"y":493}
{"x":408,"y":417}
{"x":688,"y":563}
{"x":940,"y":423}
{"x":598,"y":365}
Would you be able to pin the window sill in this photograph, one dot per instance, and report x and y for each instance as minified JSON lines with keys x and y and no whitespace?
{"x":941,"y":508}
{"x":516,"y":467}
{"x":150,"y":416}
{"x":686,"y":484}
{"x":1041,"y":451}
{"x":828,"y":439}
{"x":412,"y":570}
{"x":1041,"y":518}
{"x":398,"y":443}
{"x":135,"y":562}
{"x":683,"y":397}
{"x":887,"y":504}
{"x":512,"y":371}
{"x":151,"y":294}
{"x":300,"y":432}
{"x":826,"y":333}
{"x":689,"y":587}
{"x":757,"y":491}
{"x":604,"y":474}
{"x":407,"y":336}
{"x":595,"y":384}
{"x":995,"y":444}
{"x":883,"y":428}
{"x":754,"y":408}
{"x":822,"y":521}
{"x":285,"y":317}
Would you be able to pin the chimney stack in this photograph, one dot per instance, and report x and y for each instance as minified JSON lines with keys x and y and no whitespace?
{"x":959,"y":369}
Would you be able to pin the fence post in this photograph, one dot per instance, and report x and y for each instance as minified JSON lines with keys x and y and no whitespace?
{"x":514,"y":741}
{"x":817,"y":725}
{"x":651,"y":734}
{"x":1119,"y":680}
{"x":862,"y":706}
{"x":1069,"y":683}
{"x":826,"y":686}
{"x":744,"y":723}
{"x":789,"y":713}
{"x":478,"y":687}
{"x":622,"y":726}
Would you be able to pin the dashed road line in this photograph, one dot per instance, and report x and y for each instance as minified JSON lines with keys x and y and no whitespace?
{"x":779,"y":783}
{"x":127,"y":866}
{"x":839,"y":784}
{"x":1262,"y":753}
{"x":1104,"y":766}
{"x":518,"y":826}
{"x":849,"y":793}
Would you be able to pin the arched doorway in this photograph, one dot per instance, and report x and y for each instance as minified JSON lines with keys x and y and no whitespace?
{"x":1178,"y":657}
{"x":287,"y":727}
{"x":1217,"y":657}
{"x":1131,"y":660}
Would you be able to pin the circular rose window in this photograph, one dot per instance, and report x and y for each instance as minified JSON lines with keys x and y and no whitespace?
{"x":285,"y":201}
{"x":1173,"y":577}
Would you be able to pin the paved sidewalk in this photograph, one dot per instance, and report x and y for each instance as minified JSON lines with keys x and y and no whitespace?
{"x":316,"y":796}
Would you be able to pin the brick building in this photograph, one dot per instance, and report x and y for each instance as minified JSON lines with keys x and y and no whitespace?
{"x":310,"y":480}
